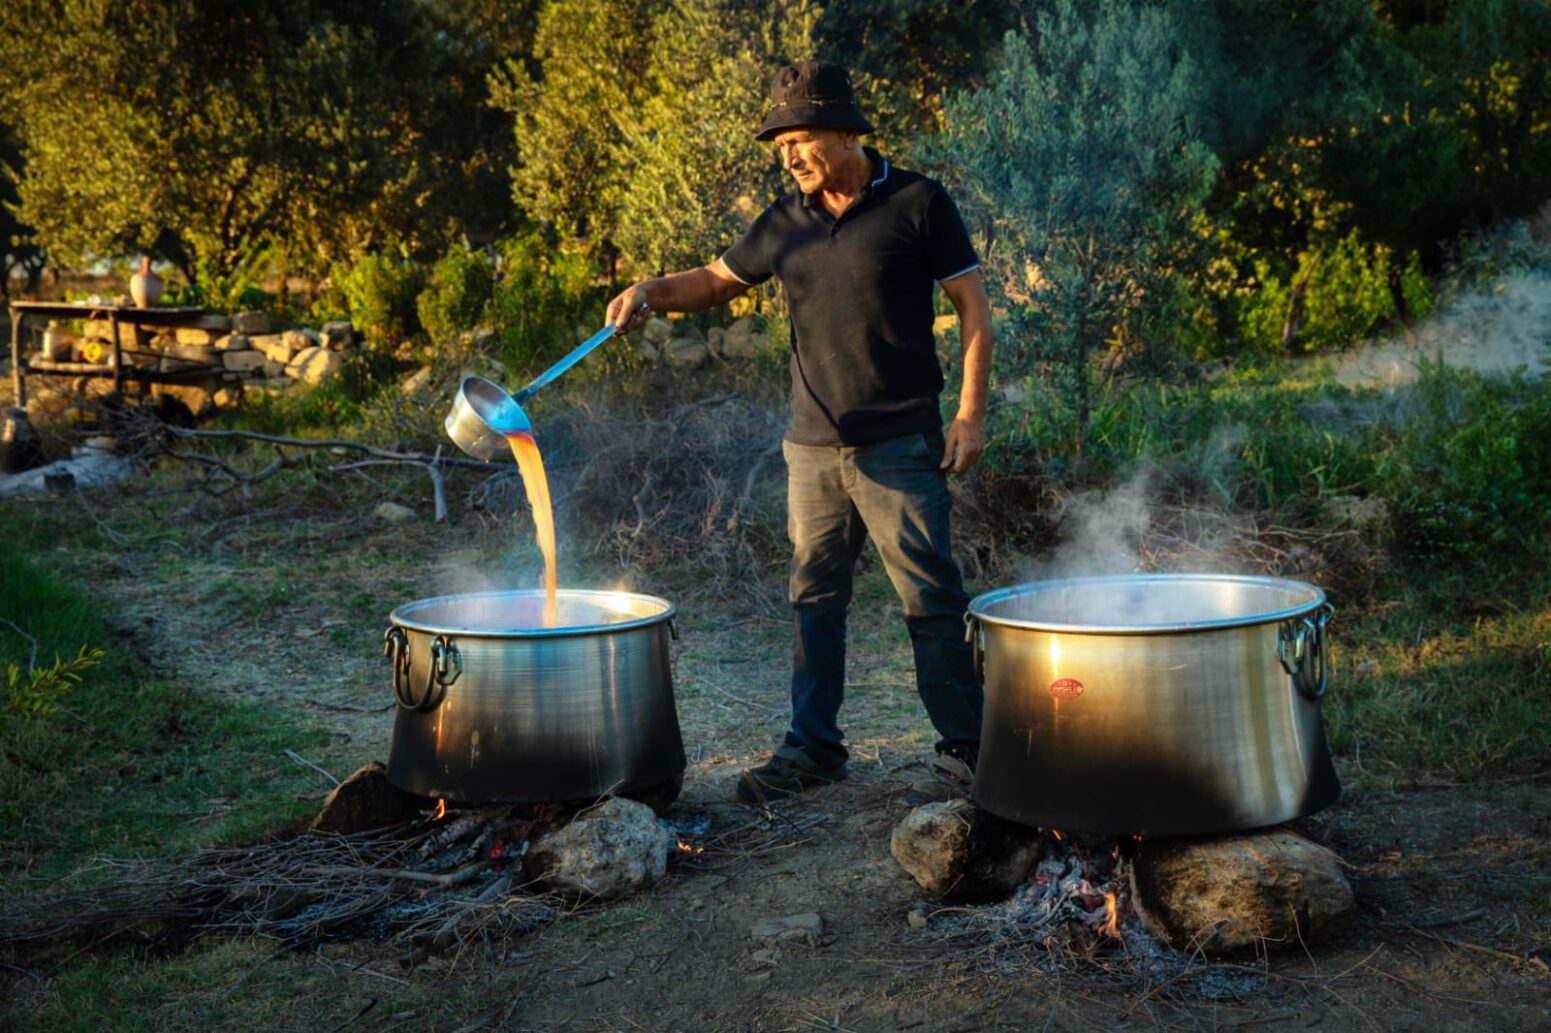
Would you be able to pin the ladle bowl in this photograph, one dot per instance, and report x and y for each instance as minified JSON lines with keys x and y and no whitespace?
{"x":483,"y":414}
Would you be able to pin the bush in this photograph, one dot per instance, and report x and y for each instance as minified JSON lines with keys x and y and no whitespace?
{"x":381,"y":293}
{"x":542,"y":295}
{"x":1469,"y":475}
{"x":460,"y":288}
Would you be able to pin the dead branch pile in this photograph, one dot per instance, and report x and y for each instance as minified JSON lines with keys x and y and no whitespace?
{"x":693,"y":484}
{"x":424,"y":886}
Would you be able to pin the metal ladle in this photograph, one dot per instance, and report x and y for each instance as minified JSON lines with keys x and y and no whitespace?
{"x":483,"y":414}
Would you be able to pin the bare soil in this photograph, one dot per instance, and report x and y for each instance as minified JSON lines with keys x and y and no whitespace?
{"x":282,"y":603}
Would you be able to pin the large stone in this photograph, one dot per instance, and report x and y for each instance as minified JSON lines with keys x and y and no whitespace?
{"x":301,"y":340}
{"x":366,"y":800}
{"x":204,"y":354}
{"x":337,"y":335}
{"x":742,"y":340}
{"x":274,"y":370}
{"x":393,"y":513}
{"x":657,"y":330}
{"x":1236,"y":894}
{"x":129,"y":335}
{"x":198,"y":336}
{"x":250,"y":323}
{"x":417,"y":383}
{"x":220,"y":322}
{"x":229,"y":396}
{"x":686,"y":352}
{"x":243,"y":362}
{"x":805,"y":928}
{"x":276,"y":346}
{"x":649,"y":352}
{"x":610,"y":851}
{"x":314,"y":365}
{"x":714,"y":339}
{"x":233,"y":343}
{"x":959,"y":853}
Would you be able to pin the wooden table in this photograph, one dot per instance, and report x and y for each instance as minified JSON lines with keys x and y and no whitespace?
{"x":114,"y":314}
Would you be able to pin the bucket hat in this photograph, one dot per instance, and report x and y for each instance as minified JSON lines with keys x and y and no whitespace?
{"x":812,"y":93}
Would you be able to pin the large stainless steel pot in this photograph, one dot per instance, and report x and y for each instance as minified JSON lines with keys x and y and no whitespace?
{"x":1160,"y":704}
{"x":495,"y":707}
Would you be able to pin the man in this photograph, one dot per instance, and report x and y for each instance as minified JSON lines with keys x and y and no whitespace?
{"x":857,"y":249}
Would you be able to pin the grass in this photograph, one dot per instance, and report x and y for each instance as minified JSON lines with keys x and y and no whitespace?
{"x":133,"y":764}
{"x":1426,"y":688}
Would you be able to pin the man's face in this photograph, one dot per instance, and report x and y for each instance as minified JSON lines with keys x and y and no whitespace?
{"x":814,"y":156}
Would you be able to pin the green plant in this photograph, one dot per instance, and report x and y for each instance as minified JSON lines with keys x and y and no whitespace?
{"x":544,"y":293}
{"x":455,"y":299}
{"x":35,"y":692}
{"x":1082,"y":150}
{"x":381,"y":293}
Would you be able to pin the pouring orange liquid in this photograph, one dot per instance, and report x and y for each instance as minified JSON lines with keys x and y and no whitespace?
{"x":531,"y":465}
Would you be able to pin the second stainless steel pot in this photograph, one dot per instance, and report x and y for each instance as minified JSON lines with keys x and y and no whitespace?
{"x":1159,"y":704}
{"x":495,"y":707}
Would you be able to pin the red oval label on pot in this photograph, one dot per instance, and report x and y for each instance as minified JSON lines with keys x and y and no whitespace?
{"x":1066,"y":688}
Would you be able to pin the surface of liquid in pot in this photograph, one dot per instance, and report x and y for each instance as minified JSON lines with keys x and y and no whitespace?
{"x":531,"y":465}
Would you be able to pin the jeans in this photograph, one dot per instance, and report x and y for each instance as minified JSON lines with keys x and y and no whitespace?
{"x":892,"y":491}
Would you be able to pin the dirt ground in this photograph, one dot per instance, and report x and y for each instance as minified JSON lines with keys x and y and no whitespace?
{"x":278,"y":602}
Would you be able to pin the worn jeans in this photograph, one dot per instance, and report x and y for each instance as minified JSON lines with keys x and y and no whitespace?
{"x":892,"y":491}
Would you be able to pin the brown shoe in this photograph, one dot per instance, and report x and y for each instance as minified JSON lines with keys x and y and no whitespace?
{"x":789,"y":772}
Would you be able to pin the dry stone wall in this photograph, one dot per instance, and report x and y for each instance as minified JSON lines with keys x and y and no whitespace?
{"x":222,"y":355}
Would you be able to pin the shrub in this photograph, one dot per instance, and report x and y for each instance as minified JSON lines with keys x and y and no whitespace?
{"x":460,"y":288}
{"x":380,"y":292}
{"x":1468,"y":475}
{"x":543,"y":293}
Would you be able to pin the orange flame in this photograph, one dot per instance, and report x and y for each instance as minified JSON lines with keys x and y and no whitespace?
{"x":441,"y":810}
{"x":692,"y":849}
{"x":1111,"y":925}
{"x":1056,"y":833}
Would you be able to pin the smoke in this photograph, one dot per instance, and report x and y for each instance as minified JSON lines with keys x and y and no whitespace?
{"x":1493,"y":330}
{"x":1101,"y":530}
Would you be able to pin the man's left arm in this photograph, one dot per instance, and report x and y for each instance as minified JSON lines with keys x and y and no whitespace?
{"x":966,"y":437}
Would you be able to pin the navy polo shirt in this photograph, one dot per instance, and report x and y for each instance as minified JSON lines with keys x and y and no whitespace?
{"x":859,"y":291}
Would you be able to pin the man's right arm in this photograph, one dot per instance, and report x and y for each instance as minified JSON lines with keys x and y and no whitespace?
{"x":691,"y":291}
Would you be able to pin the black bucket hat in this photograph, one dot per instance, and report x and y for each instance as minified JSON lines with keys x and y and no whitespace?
{"x":812,"y":93}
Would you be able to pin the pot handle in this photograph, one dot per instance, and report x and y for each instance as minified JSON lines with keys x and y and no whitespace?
{"x":1304,"y":650}
{"x":444,"y":668}
{"x":975,"y":636}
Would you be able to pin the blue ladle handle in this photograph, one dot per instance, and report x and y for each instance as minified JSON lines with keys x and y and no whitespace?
{"x":576,"y":355}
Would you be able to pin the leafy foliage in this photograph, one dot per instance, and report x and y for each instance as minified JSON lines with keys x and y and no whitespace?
{"x":382,"y":294}
{"x":460,"y":286}
{"x":36,"y":692}
{"x":228,"y":137}
{"x":1081,"y":148}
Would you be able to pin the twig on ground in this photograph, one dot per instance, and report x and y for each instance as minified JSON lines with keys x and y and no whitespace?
{"x":307,"y":763}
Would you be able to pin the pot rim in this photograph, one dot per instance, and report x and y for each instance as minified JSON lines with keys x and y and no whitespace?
{"x":978,"y":605}
{"x":398,"y":616}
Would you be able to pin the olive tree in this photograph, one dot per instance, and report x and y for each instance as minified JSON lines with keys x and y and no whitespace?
{"x":1081,"y":152}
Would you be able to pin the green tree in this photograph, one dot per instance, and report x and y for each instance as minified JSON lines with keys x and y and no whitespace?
{"x":224,"y":136}
{"x":576,"y":107}
{"x":1082,"y":150}
{"x":696,"y":176}
{"x":18,"y":249}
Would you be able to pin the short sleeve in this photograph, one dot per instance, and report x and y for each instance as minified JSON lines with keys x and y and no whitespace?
{"x":949,"y":252}
{"x":749,"y":258}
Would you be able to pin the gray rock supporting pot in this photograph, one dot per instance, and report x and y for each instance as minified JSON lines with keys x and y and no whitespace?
{"x":1153,"y":704}
{"x":493,"y":707}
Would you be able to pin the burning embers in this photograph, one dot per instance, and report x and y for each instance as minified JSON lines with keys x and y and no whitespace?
{"x":1161,"y":899}
{"x":1076,"y":897}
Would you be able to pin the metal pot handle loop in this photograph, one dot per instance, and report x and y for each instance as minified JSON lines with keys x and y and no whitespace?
{"x":1304,"y":650}
{"x":977,"y":644}
{"x":443,"y":669}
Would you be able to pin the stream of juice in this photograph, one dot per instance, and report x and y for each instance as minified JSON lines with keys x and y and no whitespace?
{"x":531,"y":465}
